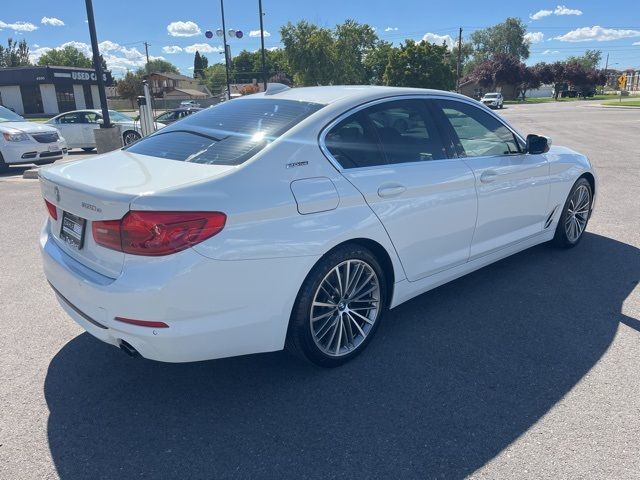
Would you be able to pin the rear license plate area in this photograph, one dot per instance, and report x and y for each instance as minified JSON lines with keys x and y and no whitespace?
{"x":72,"y":230}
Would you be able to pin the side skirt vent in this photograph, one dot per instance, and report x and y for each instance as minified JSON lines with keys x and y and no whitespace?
{"x":550,"y":217}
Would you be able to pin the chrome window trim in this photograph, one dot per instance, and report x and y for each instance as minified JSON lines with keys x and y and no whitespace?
{"x":325,"y":130}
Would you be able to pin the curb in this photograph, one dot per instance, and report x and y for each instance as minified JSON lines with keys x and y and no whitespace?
{"x":31,"y":174}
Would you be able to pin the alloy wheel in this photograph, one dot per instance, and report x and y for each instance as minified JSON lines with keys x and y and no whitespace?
{"x":577,"y":213}
{"x":345,"y":307}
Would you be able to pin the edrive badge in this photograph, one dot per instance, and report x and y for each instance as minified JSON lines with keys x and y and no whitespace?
{"x":56,"y":190}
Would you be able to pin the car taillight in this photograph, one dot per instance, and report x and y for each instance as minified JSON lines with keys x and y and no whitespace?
{"x":157,"y":233}
{"x":53,"y":211}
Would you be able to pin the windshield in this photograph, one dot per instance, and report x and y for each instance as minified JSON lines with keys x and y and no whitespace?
{"x":7,"y":115}
{"x":119,"y":117}
{"x":227,"y":134}
{"x":491,"y":95}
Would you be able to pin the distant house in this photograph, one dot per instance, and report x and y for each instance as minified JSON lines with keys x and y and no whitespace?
{"x":176,"y":86}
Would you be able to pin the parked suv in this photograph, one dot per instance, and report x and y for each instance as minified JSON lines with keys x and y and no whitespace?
{"x":493,"y":100}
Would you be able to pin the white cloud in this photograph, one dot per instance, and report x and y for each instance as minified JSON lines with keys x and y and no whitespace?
{"x":635,"y":43}
{"x":534,"y":37}
{"x":562,"y":10}
{"x":597,"y":33}
{"x":550,"y":52}
{"x":83,"y":47}
{"x":256,"y":33}
{"x":540,"y":14}
{"x":19,"y":26}
{"x":391,"y":29}
{"x":54,"y":22}
{"x":438,"y":39}
{"x":202,"y":48}
{"x":183,"y":29}
{"x":559,"y":10}
{"x":171,"y":49}
{"x":34,"y":55}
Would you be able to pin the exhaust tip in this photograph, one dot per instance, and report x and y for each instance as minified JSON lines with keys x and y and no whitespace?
{"x":129,"y":350}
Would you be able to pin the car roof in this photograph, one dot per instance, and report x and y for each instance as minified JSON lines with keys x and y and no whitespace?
{"x":331,"y":94}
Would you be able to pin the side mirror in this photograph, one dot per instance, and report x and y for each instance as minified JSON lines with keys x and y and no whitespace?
{"x":99,"y":121}
{"x":537,"y":144}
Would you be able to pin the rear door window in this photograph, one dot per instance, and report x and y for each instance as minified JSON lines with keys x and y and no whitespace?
{"x":227,"y":134}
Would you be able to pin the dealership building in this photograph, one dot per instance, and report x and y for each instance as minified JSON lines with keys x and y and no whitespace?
{"x":49,"y":90}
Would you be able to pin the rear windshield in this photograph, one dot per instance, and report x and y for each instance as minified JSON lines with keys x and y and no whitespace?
{"x":227,"y":134}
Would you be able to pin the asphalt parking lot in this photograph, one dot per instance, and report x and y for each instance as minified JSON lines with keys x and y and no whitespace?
{"x":529,"y":368}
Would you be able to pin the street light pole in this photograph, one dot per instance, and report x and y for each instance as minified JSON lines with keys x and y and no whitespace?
{"x":264,"y":70}
{"x":97,"y":65}
{"x":226,"y":50}
{"x":458,"y":63}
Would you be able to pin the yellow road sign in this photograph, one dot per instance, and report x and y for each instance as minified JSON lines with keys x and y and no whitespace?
{"x":622,"y":80}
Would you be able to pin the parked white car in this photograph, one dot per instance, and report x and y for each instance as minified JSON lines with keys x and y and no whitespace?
{"x":23,"y":142}
{"x":77,"y":127}
{"x":493,"y":100}
{"x":298,"y":218}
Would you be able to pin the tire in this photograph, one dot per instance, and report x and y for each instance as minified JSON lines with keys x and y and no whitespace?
{"x":342,"y":331}
{"x":571,"y":226}
{"x":4,"y":167}
{"x":130,"y":136}
{"x":89,"y":149}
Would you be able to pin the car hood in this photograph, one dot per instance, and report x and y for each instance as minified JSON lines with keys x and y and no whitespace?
{"x":123,"y":172}
{"x":26,"y":127}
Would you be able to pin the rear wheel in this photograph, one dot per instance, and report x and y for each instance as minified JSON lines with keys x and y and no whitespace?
{"x":3,"y":166}
{"x":339,"y":307}
{"x":130,"y":136}
{"x":575,"y":215}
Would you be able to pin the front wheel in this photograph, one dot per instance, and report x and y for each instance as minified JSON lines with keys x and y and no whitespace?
{"x":130,"y":137}
{"x":339,"y":307}
{"x":575,"y":215}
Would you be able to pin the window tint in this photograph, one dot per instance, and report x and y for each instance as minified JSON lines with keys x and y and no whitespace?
{"x":406,"y":131}
{"x":479,"y":133}
{"x":354,"y":143}
{"x":166,"y":117}
{"x":389,"y":133}
{"x":76,"y":117}
{"x":227,"y":134}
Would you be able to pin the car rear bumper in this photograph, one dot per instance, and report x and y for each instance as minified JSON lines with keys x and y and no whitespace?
{"x":213,"y":308}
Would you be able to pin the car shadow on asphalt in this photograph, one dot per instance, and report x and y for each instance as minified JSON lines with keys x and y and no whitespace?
{"x":452,"y":378}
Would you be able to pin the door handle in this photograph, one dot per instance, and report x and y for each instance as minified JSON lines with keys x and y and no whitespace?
{"x":488,"y":176}
{"x":386,"y":191}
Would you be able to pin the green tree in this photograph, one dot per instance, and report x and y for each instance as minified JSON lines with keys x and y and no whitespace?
{"x":353,"y":41}
{"x":215,"y":78}
{"x":130,"y":86}
{"x":68,"y":56}
{"x":506,"y":37}
{"x":160,"y":66}
{"x":197,"y":65}
{"x":15,"y":54}
{"x":423,"y":65}
{"x":591,"y":59}
{"x":310,"y":52}
{"x":375,"y":62}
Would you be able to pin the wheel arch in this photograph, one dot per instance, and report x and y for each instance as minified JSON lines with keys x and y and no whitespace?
{"x":591,"y":179}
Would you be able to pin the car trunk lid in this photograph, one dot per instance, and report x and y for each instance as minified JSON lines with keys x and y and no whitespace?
{"x":103,"y":188}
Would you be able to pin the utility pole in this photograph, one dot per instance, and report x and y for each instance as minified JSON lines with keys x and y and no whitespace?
{"x":226,"y":50}
{"x":606,"y":77}
{"x":459,"y":60}
{"x":97,"y":65}
{"x":146,"y":49}
{"x":264,"y":69}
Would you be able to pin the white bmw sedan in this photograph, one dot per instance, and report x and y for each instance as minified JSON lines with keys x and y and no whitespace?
{"x":77,"y":127}
{"x":298,"y":217}
{"x":23,"y":142}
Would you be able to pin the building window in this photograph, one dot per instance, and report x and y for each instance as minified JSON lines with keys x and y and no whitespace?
{"x":31,"y":99}
{"x":65,"y":97}
{"x":88,"y":98}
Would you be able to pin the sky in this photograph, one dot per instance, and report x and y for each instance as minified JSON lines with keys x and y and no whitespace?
{"x":556,"y":30}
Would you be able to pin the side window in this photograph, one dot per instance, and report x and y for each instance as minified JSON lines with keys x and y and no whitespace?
{"x":92,"y":117}
{"x":406,"y":131}
{"x":76,"y":117}
{"x":479,"y":133}
{"x":353,"y":143}
{"x":393,"y":132}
